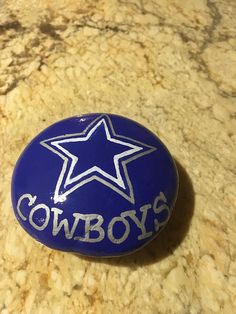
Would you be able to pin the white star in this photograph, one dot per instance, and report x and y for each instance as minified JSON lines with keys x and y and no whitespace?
{"x":120,"y":183}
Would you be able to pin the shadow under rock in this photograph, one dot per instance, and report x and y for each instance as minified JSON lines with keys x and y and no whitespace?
{"x":171,"y":236}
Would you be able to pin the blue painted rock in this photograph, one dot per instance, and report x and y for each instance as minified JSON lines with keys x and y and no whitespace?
{"x":98,"y":185}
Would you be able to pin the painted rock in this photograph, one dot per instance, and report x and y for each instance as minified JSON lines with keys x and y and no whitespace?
{"x":97,"y":184}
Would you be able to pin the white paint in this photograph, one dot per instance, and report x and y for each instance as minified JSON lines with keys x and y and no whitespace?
{"x":140,"y":223}
{"x":159,"y":208}
{"x":111,"y":225}
{"x":120,"y":184}
{"x":31,"y":201}
{"x":93,"y":223}
{"x":57,"y":226}
{"x":89,"y":227}
{"x":46,"y":220}
{"x":118,"y":179}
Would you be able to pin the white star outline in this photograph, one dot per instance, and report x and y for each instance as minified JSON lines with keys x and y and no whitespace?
{"x":119,"y":184}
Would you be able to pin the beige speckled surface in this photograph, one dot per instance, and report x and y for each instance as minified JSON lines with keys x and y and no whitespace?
{"x":168,"y":64}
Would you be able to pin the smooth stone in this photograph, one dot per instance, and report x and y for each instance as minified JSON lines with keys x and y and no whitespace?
{"x":97,"y":184}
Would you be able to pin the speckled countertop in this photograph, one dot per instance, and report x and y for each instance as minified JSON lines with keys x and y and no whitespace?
{"x":168,"y":64}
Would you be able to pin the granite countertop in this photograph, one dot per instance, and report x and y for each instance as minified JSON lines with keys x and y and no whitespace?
{"x":170,"y":65}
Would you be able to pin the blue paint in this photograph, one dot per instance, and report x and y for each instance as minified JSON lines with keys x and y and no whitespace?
{"x":92,"y":174}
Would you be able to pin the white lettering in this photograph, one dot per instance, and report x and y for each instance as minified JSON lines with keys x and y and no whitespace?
{"x":140,"y":223}
{"x":159,"y":209}
{"x":44,"y":220}
{"x":111,"y":226}
{"x":31,"y":199}
{"x":89,"y":227}
{"x":63,"y":224}
{"x":93,"y":222}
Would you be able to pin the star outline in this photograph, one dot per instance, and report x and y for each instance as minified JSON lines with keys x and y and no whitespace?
{"x":104,"y":118}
